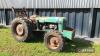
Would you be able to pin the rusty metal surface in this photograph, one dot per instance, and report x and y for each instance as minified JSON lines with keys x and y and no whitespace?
{"x":19,"y":29}
{"x":54,"y":42}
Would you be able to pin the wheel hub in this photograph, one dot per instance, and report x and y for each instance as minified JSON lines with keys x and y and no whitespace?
{"x":19,"y":29}
{"x":54,"y":42}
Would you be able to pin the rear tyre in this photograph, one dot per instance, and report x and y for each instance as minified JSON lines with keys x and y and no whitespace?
{"x":54,"y":41}
{"x":21,"y":29}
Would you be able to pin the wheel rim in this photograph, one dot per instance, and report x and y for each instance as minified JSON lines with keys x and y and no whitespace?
{"x":53,"y":42}
{"x":19,"y":29}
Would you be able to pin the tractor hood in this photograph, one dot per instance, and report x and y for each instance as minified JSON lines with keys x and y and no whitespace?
{"x":50,"y":19}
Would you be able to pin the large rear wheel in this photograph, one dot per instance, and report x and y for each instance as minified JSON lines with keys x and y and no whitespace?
{"x":21,"y":29}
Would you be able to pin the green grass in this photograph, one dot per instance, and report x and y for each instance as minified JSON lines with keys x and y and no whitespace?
{"x":10,"y":47}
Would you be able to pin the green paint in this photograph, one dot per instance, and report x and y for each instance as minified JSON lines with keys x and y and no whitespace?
{"x":50,"y":19}
{"x":60,"y":24}
{"x":67,"y":34}
{"x":60,"y":27}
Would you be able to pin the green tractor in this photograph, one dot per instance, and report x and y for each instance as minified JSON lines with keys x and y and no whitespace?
{"x":55,"y":31}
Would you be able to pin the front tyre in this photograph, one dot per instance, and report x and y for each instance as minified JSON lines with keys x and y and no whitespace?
{"x":54,"y":41}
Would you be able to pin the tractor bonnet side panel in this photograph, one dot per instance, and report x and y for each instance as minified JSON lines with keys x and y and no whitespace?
{"x":67,"y":34}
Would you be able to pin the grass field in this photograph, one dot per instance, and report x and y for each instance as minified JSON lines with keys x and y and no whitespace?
{"x":10,"y":47}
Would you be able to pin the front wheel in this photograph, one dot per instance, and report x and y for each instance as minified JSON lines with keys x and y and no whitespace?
{"x":54,"y":41}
